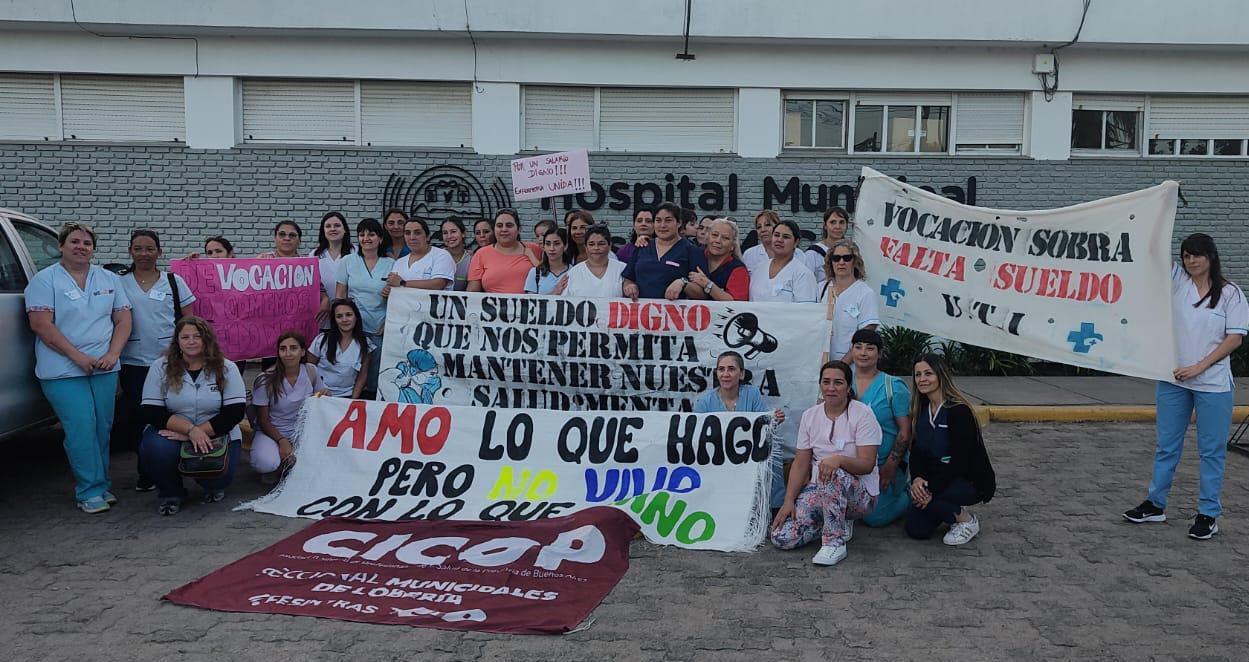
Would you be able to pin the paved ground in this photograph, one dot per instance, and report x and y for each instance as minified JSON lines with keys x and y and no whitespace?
{"x":1078,"y":391}
{"x":1054,"y":575}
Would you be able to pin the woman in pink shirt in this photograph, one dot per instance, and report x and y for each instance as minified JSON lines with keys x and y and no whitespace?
{"x":502,"y":267}
{"x":834,"y":479}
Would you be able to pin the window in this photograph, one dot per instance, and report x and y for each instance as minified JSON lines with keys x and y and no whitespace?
{"x":629,"y":119}
{"x":1197,"y":147}
{"x":1198,"y":126}
{"x":905,"y":124}
{"x":989,"y":122}
{"x":12,"y":273}
{"x":346,"y":112}
{"x":40,"y":244}
{"x":815,"y":123}
{"x":113,"y":108}
{"x":1106,"y":124}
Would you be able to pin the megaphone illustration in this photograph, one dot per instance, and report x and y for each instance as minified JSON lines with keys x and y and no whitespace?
{"x":743,"y":331}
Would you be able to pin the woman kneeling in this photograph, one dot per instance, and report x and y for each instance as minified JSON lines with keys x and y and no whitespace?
{"x":834,"y":478}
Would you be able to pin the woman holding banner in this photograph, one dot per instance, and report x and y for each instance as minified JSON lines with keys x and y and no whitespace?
{"x":342,"y":354}
{"x":279,"y":394}
{"x":890,"y":401}
{"x":157,"y":301}
{"x":425,"y":267}
{"x":333,"y":244}
{"x":453,"y":233}
{"x":599,"y":274}
{"x":731,"y":395}
{"x":286,"y":236}
{"x":846,"y":291}
{"x":950,"y":467}
{"x":834,"y":479}
{"x":362,"y":278}
{"x":216,"y":247}
{"x":726,"y":278}
{"x":836,"y":222}
{"x":760,"y":253}
{"x":192,"y":394}
{"x":81,"y":319}
{"x":660,"y":269}
{"x":502,"y":267}
{"x":643,"y":227}
{"x":1211,"y":320}
{"x":786,"y":276}
{"x":549,"y":276}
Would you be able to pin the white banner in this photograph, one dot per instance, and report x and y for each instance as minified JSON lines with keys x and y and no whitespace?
{"x":543,"y":352}
{"x":549,"y":175}
{"x":698,"y":481}
{"x":1088,"y":285}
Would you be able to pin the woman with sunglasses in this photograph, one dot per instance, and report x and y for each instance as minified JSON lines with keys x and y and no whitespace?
{"x":846,"y":291}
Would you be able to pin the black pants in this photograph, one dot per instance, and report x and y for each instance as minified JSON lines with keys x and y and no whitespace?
{"x":921,"y":523}
{"x":127,"y":426}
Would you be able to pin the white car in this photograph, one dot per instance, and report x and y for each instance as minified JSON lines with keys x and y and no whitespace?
{"x":25,"y":247}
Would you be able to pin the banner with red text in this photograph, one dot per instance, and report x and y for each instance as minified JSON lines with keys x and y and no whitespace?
{"x":693,"y":480}
{"x":250,"y":302}
{"x":542,"y":352}
{"x":542,"y":577}
{"x":1087,"y":285}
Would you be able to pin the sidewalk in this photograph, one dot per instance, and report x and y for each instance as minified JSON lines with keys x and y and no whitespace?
{"x":1070,"y":399}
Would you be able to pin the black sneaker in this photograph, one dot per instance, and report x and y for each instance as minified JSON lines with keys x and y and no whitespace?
{"x":144,"y":485}
{"x":1204,"y":528}
{"x":1146,"y":512}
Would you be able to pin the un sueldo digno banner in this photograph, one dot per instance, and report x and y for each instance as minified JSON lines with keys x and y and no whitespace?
{"x":543,"y":352}
{"x":694,"y":480}
{"x":1087,"y":285}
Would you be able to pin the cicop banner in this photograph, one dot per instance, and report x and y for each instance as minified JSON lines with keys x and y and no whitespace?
{"x":513,"y":577}
{"x":571,"y":354}
{"x":698,"y":481}
{"x":1087,"y":285}
{"x":250,"y":302}
{"x":548,"y":175}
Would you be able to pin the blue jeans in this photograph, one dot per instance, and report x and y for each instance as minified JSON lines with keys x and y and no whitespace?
{"x":160,"y":458}
{"x":1214,"y":419}
{"x":945,"y":506}
{"x":85,"y":407}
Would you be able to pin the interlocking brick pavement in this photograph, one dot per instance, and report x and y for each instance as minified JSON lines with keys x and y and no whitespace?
{"x":1055,"y":574}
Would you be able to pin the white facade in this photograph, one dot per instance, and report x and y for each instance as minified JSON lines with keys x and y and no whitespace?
{"x":907,"y":77}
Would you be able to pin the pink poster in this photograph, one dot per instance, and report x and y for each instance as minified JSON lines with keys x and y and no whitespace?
{"x":251,"y":302}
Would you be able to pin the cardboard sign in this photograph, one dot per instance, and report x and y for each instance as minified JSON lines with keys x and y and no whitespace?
{"x":549,"y":175}
{"x":250,"y":302}
{"x":540,"y":577}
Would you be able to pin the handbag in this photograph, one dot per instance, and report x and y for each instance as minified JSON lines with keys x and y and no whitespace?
{"x":212,"y":463}
{"x":177,"y":298}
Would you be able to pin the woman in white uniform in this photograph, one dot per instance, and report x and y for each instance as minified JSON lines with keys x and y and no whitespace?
{"x":157,"y":300}
{"x":342,"y":354}
{"x":599,"y":275}
{"x":786,"y":277}
{"x":279,"y":394}
{"x":854,"y":303}
{"x":333,"y":244}
{"x":424,"y":267}
{"x":81,"y":319}
{"x":761,"y":252}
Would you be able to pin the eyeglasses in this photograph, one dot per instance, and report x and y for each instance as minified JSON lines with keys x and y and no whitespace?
{"x":287,"y":235}
{"x":841,"y":258}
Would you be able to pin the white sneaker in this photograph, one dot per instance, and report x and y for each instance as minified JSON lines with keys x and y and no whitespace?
{"x":829,"y":555}
{"x":849,"y":530}
{"x":961,"y":533}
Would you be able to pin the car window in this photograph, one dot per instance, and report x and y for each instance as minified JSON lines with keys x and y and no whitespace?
{"x":40,"y":243}
{"x":12,"y":273}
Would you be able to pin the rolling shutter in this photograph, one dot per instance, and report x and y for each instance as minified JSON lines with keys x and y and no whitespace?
{"x":1199,"y":117}
{"x":559,"y":118}
{"x":28,"y":107}
{"x":416,"y":114}
{"x":666,"y":120}
{"x":990,"y":119}
{"x":1129,"y":102}
{"x":902,"y":99}
{"x":299,"y":111}
{"x":124,"y":108}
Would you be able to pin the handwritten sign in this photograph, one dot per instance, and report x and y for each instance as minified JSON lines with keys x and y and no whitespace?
{"x":549,"y":175}
{"x":252,"y":302}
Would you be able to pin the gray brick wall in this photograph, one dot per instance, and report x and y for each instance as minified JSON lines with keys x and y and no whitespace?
{"x":189,"y":194}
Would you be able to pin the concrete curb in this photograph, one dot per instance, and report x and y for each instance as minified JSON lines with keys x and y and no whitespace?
{"x":1077,"y":413}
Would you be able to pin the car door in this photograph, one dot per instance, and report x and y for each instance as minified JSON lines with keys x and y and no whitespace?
{"x":25,"y":247}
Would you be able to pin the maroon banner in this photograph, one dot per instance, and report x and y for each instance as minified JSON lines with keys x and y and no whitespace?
{"x":536,"y":577}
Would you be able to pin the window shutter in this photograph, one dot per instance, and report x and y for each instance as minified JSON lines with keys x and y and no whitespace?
{"x":1128,"y":102}
{"x":299,"y":111}
{"x":559,"y":118}
{"x":990,"y":119}
{"x":1199,"y":117}
{"x":123,"y":108}
{"x":416,"y":114}
{"x":903,"y":99}
{"x":666,"y":120}
{"x":28,"y":107}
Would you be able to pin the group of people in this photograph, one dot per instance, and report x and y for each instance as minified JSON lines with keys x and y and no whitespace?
{"x":873,"y":449}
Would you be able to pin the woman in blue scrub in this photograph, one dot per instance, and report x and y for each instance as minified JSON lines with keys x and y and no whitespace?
{"x":660,"y":269}
{"x":361,"y":278}
{"x":890,"y":399}
{"x":81,"y":319}
{"x":157,"y":300}
{"x":1211,"y":319}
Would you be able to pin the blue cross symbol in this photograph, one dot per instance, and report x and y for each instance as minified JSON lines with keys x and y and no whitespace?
{"x":1084,"y":338}
{"x":893,"y":292}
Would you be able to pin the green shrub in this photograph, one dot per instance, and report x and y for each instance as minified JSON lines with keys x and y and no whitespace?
{"x":902,"y":345}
